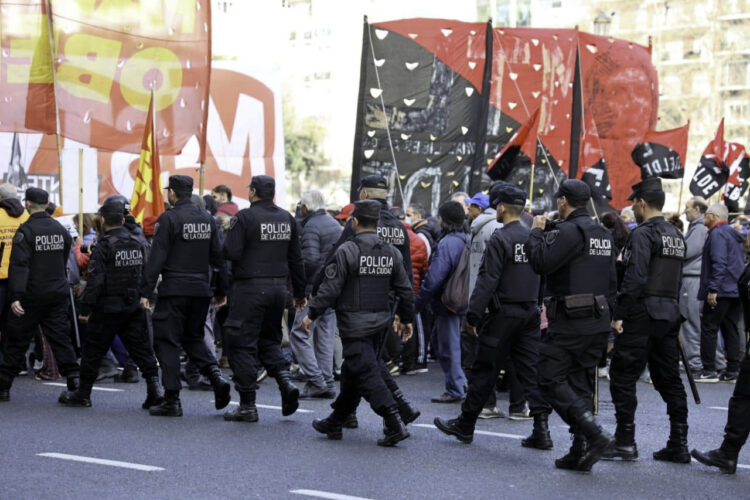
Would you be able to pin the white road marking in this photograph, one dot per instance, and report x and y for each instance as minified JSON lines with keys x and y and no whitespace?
{"x":103,"y":389}
{"x":269,"y":407}
{"x":483,"y":433}
{"x":326,"y":494}
{"x":101,"y":461}
{"x":721,"y":408}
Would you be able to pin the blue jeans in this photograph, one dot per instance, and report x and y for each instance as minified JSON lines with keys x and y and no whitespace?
{"x":447,"y":330}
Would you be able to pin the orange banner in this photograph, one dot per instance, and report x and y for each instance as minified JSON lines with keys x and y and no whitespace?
{"x":109,"y":54}
{"x":27,"y":98}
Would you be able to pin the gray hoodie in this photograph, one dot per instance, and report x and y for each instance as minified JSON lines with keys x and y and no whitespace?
{"x":695,"y":238}
{"x":481,"y":229}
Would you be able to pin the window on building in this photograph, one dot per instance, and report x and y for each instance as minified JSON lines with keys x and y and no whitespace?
{"x":737,"y":112}
{"x":736,"y":74}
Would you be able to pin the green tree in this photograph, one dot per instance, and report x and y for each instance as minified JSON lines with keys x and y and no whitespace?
{"x":302,"y":142}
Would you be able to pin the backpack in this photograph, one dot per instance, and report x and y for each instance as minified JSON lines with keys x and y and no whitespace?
{"x":455,"y":296}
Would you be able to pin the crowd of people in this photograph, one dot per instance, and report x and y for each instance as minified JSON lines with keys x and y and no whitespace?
{"x":311,"y":296}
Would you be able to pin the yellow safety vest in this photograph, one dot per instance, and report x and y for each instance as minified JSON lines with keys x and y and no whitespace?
{"x":8,"y":227}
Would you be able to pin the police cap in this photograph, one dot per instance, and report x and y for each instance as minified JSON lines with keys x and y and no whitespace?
{"x":505,"y":193}
{"x":652,"y":185}
{"x":373,"y":181}
{"x":264,"y":185}
{"x":37,"y":195}
{"x":574,"y":190}
{"x":367,"y":209}
{"x":180,"y":183}
{"x":112,"y":205}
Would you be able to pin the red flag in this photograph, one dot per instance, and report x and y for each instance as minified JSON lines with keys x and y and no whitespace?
{"x":738,"y":167}
{"x":147,"y":199}
{"x":662,"y":154}
{"x":712,"y":172}
{"x":524,"y":141}
{"x":591,"y":158}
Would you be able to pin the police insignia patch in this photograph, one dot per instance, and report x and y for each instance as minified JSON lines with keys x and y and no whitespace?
{"x":551,"y":236}
{"x":232,"y":222}
{"x":18,"y":238}
{"x":331,"y":271}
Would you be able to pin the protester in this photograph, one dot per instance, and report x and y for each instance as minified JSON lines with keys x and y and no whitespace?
{"x":223,"y":197}
{"x":313,"y":348}
{"x":427,"y":228}
{"x":12,"y":215}
{"x":447,"y":323}
{"x":721,"y":266}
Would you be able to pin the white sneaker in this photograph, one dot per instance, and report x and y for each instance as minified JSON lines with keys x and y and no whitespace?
{"x":494,"y":412}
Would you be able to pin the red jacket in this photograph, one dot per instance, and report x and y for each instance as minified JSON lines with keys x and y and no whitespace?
{"x":419,"y":258}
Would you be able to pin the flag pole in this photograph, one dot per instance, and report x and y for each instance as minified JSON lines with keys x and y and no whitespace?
{"x":206,"y":98}
{"x":58,"y":135}
{"x":80,"y":193}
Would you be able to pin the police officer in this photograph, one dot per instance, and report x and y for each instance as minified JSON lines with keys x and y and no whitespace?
{"x":509,"y":288}
{"x":576,"y":256}
{"x":263,"y":246}
{"x":130,"y":224}
{"x":646,"y":320}
{"x":365,"y":271}
{"x":185,"y":244}
{"x":110,"y":306}
{"x":39,"y":292}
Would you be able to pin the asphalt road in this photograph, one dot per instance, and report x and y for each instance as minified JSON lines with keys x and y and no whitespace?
{"x":201,"y":456}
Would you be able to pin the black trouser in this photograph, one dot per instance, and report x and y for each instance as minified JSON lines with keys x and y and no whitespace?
{"x":364,"y":375}
{"x":178,"y":325}
{"x":653,"y":342}
{"x":566,"y":364}
{"x":738,"y":421}
{"x":55,"y":323}
{"x":514,"y":331}
{"x":252,"y":332}
{"x":726,"y":316}
{"x":131,"y":328}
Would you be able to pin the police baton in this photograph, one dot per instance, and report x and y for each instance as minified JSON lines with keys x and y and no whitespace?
{"x":75,"y":317}
{"x":691,"y":380}
{"x":596,"y":391}
{"x":394,"y":308}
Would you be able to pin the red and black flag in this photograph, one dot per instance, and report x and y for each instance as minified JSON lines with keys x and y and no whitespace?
{"x":662,"y":154}
{"x":593,"y":165}
{"x":712,"y":173}
{"x":738,"y":164}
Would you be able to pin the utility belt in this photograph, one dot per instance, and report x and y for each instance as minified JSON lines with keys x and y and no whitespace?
{"x":178,"y":275}
{"x":261,"y":281}
{"x":128,"y":296}
{"x":496,"y":303}
{"x":580,"y":306}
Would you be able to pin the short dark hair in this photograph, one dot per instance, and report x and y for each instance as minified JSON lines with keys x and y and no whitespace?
{"x":221,"y":188}
{"x":265,"y":192}
{"x":654,"y":199}
{"x":417,"y":207}
{"x":700,"y":205}
{"x":113,"y":220}
{"x":367,"y":222}
{"x":181,"y":195}
{"x":514,"y":210}
{"x":49,"y":208}
{"x":577,"y":203}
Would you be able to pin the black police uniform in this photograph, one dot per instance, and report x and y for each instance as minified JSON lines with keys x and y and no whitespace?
{"x":509,"y":288}
{"x":648,"y":303}
{"x":111,"y":299}
{"x":263,"y":246}
{"x":37,"y":278}
{"x":737,"y":428}
{"x":365,"y":271}
{"x":184,"y":246}
{"x":578,"y":260}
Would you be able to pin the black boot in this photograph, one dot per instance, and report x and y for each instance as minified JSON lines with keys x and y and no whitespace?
{"x":222,"y":389}
{"x":5,"y":383}
{"x":539,"y":438}
{"x":576,"y":452}
{"x":624,"y":447}
{"x":597,"y":441}
{"x":717,"y":458}
{"x":170,"y":407}
{"x":79,"y":397}
{"x":676,"y":450}
{"x":459,"y":427}
{"x":408,"y":413}
{"x":351,"y":422}
{"x":154,"y":393}
{"x":289,"y":393}
{"x":331,"y":426}
{"x":394,"y":429}
{"x":246,"y":411}
{"x":72,"y":383}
